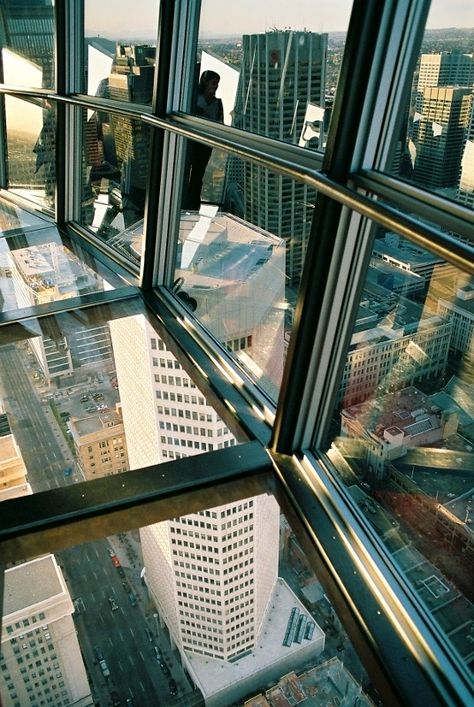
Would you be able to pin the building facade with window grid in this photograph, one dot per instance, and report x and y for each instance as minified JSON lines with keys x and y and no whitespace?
{"x":399,"y":641}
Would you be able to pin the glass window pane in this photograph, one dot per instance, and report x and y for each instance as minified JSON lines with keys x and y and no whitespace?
{"x":218,"y":606}
{"x":275,"y":82}
{"x":240,"y":259}
{"x":120,"y":49}
{"x":31,"y":149}
{"x":436,"y":148}
{"x":38,"y":265}
{"x":89,"y":396}
{"x":403,"y":426}
{"x":116,"y":153}
{"x":28,"y":54}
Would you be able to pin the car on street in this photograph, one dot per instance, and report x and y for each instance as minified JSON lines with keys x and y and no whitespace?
{"x":105,"y":668}
{"x":113,"y":604}
{"x":98,"y":653}
{"x":165,"y":670}
{"x":132,"y":598}
{"x":149,"y":634}
{"x":121,"y":571}
{"x":173,"y":688}
{"x":157,"y":652}
{"x":115,"y":560}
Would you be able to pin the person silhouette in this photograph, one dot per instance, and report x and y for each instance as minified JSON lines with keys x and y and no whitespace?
{"x":208,"y":106}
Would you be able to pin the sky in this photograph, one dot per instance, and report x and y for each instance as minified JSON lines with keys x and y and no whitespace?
{"x":122,"y":18}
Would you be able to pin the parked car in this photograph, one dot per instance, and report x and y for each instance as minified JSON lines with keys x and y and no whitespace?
{"x":149,"y":634}
{"x":132,"y":598}
{"x":173,"y":688}
{"x":157,"y":653}
{"x":98,"y":653}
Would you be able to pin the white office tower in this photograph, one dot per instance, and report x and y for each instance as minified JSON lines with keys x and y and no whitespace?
{"x":213,"y":575}
{"x":281,"y":95}
{"x":41,"y":660}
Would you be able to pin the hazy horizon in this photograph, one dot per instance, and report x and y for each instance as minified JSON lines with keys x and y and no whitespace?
{"x":110,"y":18}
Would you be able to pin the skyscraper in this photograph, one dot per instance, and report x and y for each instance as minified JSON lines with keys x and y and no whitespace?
{"x":282,"y":74}
{"x":439,"y":133}
{"x":446,"y":69}
{"x":41,"y":659}
{"x":213,"y":575}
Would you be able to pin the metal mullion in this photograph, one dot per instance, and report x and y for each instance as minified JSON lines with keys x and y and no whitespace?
{"x":62,"y":517}
{"x":262,"y":404}
{"x":105,"y":254}
{"x":181,"y":53}
{"x":440,"y":211}
{"x":386,"y":623}
{"x":327,"y":274}
{"x":207,"y":368}
{"x":74,"y":79}
{"x":61,"y":54}
{"x":94,"y":299}
{"x":151,"y":266}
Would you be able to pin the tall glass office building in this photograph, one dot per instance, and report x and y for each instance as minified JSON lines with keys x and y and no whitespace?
{"x":237,"y":429}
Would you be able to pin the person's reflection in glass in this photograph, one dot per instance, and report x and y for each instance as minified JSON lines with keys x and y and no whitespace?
{"x":207,"y":106}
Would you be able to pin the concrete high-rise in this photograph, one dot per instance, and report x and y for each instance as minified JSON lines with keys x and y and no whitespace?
{"x":439,"y":132}
{"x":282,"y":75}
{"x":41,"y":659}
{"x":213,"y":574}
{"x":465,"y":193}
{"x":445,"y":69}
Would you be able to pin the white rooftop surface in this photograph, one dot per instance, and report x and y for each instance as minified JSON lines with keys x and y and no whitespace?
{"x":378,"y":332}
{"x":214,"y":675}
{"x":31,"y":583}
{"x":32,"y":262}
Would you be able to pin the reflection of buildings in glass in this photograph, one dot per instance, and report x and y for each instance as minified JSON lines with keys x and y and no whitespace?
{"x":235,"y":273}
{"x":409,"y":258}
{"x":27,"y":28}
{"x":460,"y":312}
{"x":282,"y":73}
{"x":37,"y":620}
{"x":386,"y":355}
{"x":131,"y":79}
{"x":117,"y":147}
{"x":47,"y":273}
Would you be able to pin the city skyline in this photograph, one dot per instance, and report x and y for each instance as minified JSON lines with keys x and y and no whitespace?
{"x":218,"y":600}
{"x":247,"y":18}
